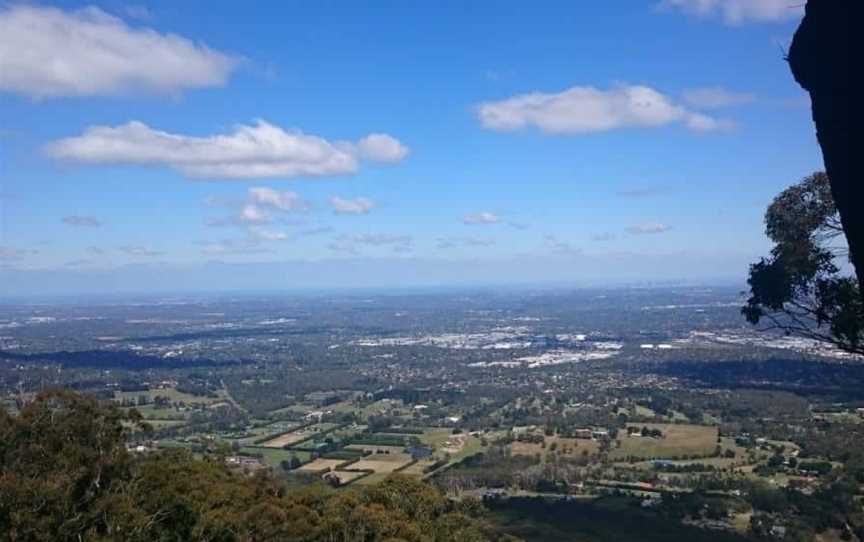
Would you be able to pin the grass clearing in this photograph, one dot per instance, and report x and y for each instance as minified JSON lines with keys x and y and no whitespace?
{"x":382,"y":463}
{"x":563,"y":447}
{"x":172,"y":394}
{"x":298,"y":435}
{"x":678,"y":441}
{"x":321,"y":464}
{"x":435,"y":437}
{"x":372,"y":479}
{"x":273,"y":457}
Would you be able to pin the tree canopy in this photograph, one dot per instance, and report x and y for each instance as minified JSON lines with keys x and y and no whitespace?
{"x":802,"y":288}
{"x":65,"y":474}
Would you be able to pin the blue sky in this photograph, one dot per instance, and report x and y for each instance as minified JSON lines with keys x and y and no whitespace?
{"x":319,"y":143}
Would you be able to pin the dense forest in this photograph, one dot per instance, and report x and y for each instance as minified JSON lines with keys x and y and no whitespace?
{"x":66,"y":474}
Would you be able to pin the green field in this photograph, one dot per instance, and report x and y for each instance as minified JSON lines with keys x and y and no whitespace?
{"x":172,"y":394}
{"x":678,"y":441}
{"x":272,"y":457}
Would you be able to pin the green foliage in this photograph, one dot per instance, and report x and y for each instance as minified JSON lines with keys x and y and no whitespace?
{"x":800,"y":288}
{"x":65,"y":475}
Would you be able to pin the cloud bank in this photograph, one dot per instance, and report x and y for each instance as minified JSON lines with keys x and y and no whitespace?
{"x":484,"y":217}
{"x":583,"y":109}
{"x":47,"y":52}
{"x":260,"y":150}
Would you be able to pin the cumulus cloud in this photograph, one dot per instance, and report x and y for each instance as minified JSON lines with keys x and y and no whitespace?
{"x":716,"y":98}
{"x":259,"y":207}
{"x":737,"y":12}
{"x":47,"y":52}
{"x":382,"y":148}
{"x":648,"y":228}
{"x":580,"y":110}
{"x":605,"y":236}
{"x":283,"y":201}
{"x":356,"y":206}
{"x":484,"y":217}
{"x":252,"y":151}
{"x":253,"y":214}
{"x":82,"y":221}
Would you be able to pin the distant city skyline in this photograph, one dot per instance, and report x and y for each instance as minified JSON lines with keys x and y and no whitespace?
{"x":159,"y":147}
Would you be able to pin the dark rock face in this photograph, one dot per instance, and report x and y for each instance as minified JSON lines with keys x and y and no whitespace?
{"x":820,"y":60}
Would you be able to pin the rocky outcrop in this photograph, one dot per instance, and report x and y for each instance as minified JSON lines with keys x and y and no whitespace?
{"x":820,"y":60}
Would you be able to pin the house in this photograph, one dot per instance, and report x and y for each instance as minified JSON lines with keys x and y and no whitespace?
{"x":599,"y":434}
{"x":419,"y":452}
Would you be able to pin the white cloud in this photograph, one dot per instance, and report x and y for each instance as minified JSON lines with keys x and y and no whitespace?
{"x":259,"y":207}
{"x":140,"y":251}
{"x":252,"y":243}
{"x":83,"y":221}
{"x":356,"y":206}
{"x":250,"y":151}
{"x":48,"y":52}
{"x":283,"y":201}
{"x":716,"y":98}
{"x":484,"y":217}
{"x":252,"y":214}
{"x":268,"y":235}
{"x":740,"y":11}
{"x":382,"y":148}
{"x":579,"y":110}
{"x":647,"y":228}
